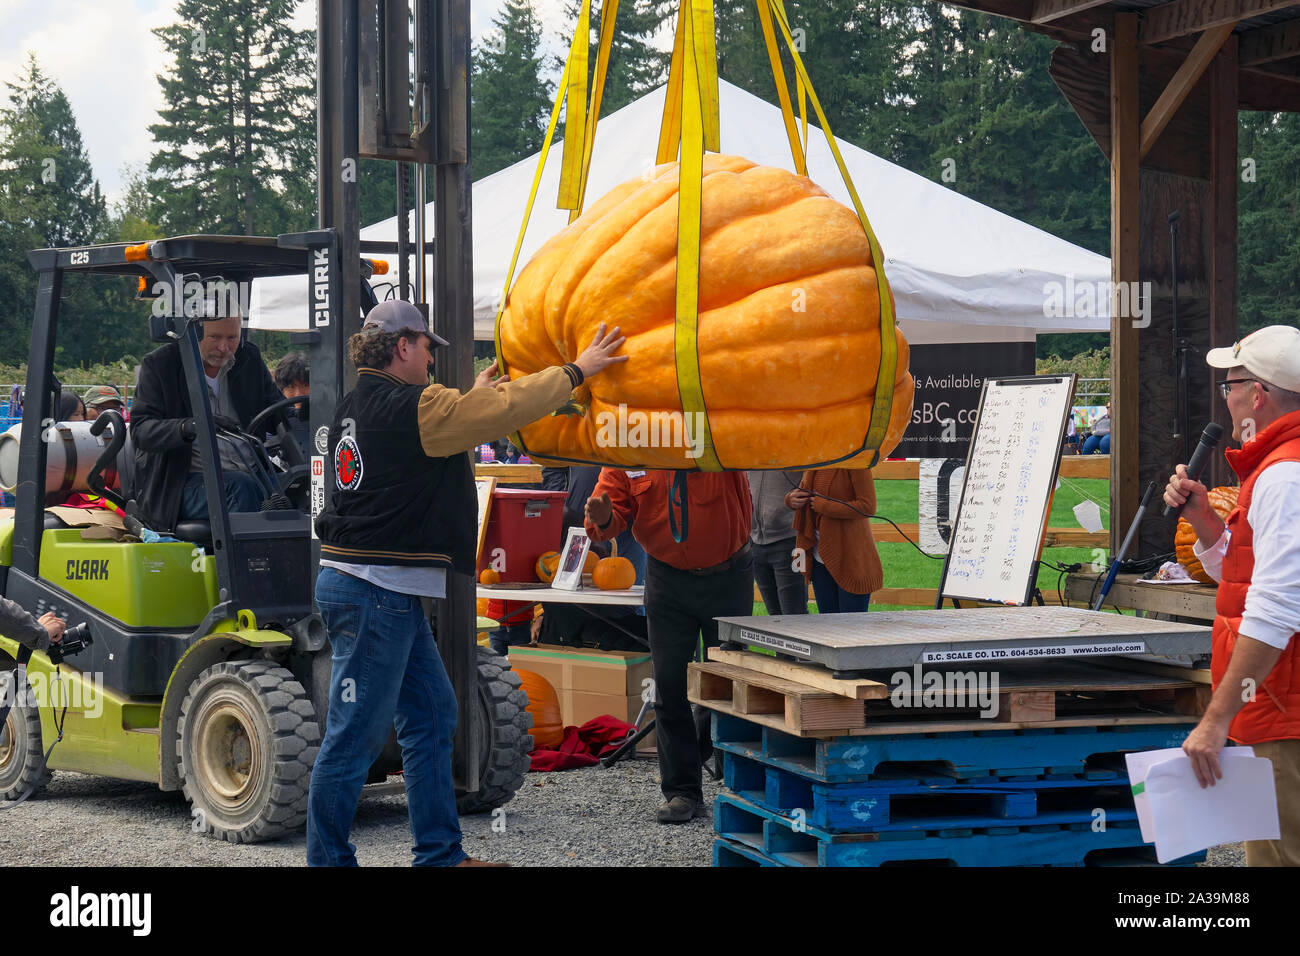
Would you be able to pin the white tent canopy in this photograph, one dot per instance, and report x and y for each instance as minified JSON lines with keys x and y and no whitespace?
{"x":960,"y":271}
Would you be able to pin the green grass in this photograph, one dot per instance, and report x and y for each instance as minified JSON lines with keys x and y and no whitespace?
{"x":905,"y":567}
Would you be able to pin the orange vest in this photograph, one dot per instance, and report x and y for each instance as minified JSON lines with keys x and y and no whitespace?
{"x":1274,"y":714}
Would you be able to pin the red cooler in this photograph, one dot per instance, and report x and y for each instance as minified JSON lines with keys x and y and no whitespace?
{"x":524,"y":524}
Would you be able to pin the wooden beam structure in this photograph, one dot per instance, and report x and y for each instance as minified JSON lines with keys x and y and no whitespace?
{"x":1125,"y":139}
{"x":1182,"y":17}
{"x":1207,"y":47}
{"x":1045,"y":11}
{"x":1270,"y":44}
{"x":1224,"y":173}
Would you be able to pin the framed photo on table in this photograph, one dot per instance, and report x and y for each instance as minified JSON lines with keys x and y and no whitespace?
{"x":568,"y":577}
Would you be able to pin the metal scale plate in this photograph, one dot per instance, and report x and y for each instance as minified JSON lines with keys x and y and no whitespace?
{"x":982,"y":636}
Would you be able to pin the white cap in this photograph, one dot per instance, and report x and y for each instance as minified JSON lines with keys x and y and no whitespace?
{"x":1271,"y":353}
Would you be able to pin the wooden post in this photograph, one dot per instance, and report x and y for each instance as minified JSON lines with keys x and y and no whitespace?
{"x":1223,"y":226}
{"x":1125,"y":132}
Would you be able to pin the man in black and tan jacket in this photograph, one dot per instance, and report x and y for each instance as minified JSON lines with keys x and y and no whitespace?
{"x":403,"y":512}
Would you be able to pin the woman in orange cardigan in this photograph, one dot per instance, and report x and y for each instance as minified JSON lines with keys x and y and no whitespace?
{"x":831,"y":528}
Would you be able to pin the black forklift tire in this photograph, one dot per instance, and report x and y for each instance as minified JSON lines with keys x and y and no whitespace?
{"x":504,"y":742}
{"x":247,"y":737}
{"x":22,"y":752}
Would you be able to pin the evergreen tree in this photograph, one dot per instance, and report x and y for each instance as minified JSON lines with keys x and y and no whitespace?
{"x":48,"y":197}
{"x":1268,"y":244}
{"x":510,"y":102}
{"x":235,"y":145}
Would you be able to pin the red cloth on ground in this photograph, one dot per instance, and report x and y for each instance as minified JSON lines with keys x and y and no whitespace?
{"x":584,"y":746}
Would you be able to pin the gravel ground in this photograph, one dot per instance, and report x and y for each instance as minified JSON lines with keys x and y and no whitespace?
{"x":588,"y":817}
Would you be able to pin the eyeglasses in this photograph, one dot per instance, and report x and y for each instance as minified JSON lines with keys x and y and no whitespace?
{"x":1226,"y":385}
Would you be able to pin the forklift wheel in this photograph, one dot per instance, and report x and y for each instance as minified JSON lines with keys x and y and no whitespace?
{"x":247,"y":737}
{"x":503,"y":741}
{"x":22,"y":758}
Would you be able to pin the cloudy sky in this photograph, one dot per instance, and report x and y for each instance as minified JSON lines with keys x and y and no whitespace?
{"x":103,"y":55}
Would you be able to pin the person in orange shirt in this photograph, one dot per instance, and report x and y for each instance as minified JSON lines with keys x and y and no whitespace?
{"x":698,"y":568}
{"x":833,"y":534}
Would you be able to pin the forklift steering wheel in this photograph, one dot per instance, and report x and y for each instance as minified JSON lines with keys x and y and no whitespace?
{"x":289,"y":449}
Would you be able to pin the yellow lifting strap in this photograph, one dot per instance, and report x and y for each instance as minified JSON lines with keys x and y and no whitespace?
{"x":797,"y":153}
{"x":575,"y":112}
{"x":696,"y":15}
{"x":608,"y":16}
{"x":694,"y":138}
{"x":528,"y":209}
{"x":882,"y":405}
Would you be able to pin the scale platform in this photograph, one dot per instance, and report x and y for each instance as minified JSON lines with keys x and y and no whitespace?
{"x":962,"y":636}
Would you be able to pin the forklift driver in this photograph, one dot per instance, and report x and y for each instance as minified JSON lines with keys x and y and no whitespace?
{"x":169,"y":487}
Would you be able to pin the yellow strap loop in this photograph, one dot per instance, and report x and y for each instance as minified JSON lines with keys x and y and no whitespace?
{"x":882,"y":405}
{"x":528,"y":209}
{"x":689,"y":194}
{"x":782,"y":91}
{"x":670,"y":129}
{"x":608,"y":15}
{"x":575,"y":112}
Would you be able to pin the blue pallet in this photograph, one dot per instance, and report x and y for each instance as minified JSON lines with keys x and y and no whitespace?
{"x":887,"y":804}
{"x":727,"y":853}
{"x":1061,"y":752}
{"x":791,"y":842}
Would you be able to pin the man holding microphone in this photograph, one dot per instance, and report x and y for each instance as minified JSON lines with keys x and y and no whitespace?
{"x":1255,"y":557}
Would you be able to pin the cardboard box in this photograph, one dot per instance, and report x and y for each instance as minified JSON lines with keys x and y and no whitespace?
{"x":619,"y":673}
{"x":590,"y":682}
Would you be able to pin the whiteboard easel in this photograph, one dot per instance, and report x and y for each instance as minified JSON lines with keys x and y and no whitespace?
{"x":1006,"y":495}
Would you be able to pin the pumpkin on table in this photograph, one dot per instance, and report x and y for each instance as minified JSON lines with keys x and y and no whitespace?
{"x":613,"y":573}
{"x":547,"y":562}
{"x":788,"y":330}
{"x":1222,"y":500}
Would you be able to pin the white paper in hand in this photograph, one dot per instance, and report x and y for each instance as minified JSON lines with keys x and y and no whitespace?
{"x":1088,"y":514}
{"x":1184,"y":818}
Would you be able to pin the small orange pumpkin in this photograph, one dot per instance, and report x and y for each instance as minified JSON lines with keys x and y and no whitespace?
{"x":489,"y":576}
{"x":590,"y":562}
{"x":544,"y":705}
{"x":613,"y":573}
{"x":1222,"y":500}
{"x":481,"y":606}
{"x":547,"y":562}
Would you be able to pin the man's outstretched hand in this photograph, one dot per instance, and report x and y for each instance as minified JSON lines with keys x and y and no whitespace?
{"x":599,"y":355}
{"x":599,"y":511}
{"x":489,"y":377}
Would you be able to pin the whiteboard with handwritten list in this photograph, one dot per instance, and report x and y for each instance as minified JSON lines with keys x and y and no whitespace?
{"x":1010,"y":475}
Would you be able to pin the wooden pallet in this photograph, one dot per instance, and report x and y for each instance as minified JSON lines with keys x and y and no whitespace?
{"x":1057,"y":694}
{"x":797,"y":707}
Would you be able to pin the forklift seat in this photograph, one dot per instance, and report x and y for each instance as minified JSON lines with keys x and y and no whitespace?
{"x":195,"y":531}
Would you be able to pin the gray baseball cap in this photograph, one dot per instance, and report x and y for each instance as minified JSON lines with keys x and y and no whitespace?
{"x":398,"y":315}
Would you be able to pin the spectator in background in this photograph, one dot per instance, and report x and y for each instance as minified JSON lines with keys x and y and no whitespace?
{"x":1099,"y":441}
{"x":783,"y":588}
{"x":292,"y":376}
{"x":1071,"y":434}
{"x":71,"y":407}
{"x":103,"y":398}
{"x":834,"y":535}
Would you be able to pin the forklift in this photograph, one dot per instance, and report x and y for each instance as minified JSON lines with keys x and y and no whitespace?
{"x":207,"y":667}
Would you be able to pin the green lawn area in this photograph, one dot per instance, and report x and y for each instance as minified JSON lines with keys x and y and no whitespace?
{"x":905,"y":567}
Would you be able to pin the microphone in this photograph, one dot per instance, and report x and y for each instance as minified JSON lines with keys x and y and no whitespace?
{"x":1200,"y":458}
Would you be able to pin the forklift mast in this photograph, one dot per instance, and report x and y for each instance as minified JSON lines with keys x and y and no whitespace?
{"x":372,"y":105}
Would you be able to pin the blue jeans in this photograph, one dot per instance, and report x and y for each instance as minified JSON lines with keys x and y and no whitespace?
{"x":831,"y":598}
{"x":386,"y":666}
{"x":1096,"y":445}
{"x":243,"y":493}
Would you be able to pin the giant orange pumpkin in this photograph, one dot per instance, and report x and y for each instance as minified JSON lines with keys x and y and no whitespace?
{"x":788,"y":330}
{"x":544,"y":705}
{"x":1222,"y":500}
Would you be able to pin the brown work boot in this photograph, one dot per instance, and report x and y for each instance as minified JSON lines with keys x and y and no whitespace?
{"x":470,"y":861}
{"x":678,"y":810}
